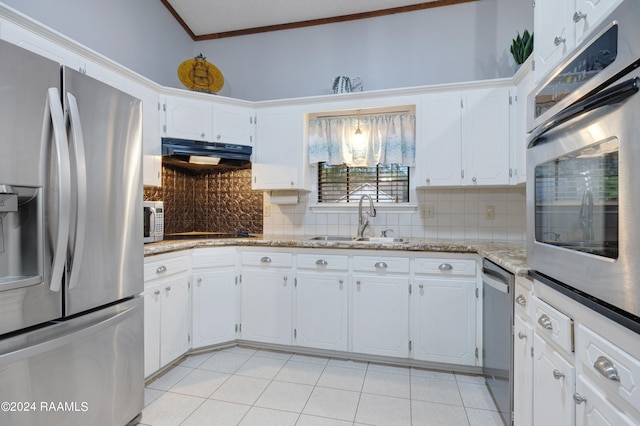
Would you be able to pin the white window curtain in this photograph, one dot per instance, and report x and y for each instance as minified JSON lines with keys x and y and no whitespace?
{"x":384,"y":139}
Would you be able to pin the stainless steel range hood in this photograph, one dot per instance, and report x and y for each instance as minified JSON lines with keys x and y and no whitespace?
{"x":198,"y":155}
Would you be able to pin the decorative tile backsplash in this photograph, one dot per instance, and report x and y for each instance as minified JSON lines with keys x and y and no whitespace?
{"x":215,"y":200}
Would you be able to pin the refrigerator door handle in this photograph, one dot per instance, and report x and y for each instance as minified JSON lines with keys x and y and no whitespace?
{"x":76,"y":247}
{"x":53,"y":112}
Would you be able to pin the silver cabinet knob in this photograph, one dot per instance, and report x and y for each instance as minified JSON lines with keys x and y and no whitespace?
{"x":202,"y":135}
{"x":161,"y":269}
{"x":579,"y":16}
{"x":421,"y":286}
{"x":380,"y":265}
{"x":521,"y":300}
{"x":219,"y":136}
{"x":557,"y":374}
{"x":321,"y":262}
{"x":340,"y":282}
{"x":474,"y":180}
{"x":606,"y":368}
{"x":199,"y":280}
{"x":558,"y":40}
{"x":285,"y":279}
{"x":168,"y":288}
{"x":579,"y":399}
{"x":157,"y":292}
{"x":521,"y":335}
{"x":358,"y":283}
{"x":445,"y":267}
{"x":545,"y":322}
{"x":265,"y":259}
{"x":428,"y":180}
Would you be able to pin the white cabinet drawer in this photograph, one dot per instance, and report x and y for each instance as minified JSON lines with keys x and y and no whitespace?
{"x":614,"y":370}
{"x":381,"y":264}
{"x":322,"y":262}
{"x":522,"y":298}
{"x":214,"y":257}
{"x":553,"y":324}
{"x":458,"y":267}
{"x":267,"y":259}
{"x":164,"y":265}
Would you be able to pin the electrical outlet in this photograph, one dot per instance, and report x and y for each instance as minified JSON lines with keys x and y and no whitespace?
{"x":266,"y":211}
{"x":427,"y":211}
{"x":490,"y":212}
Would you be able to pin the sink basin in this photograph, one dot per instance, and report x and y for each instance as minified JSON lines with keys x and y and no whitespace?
{"x":330,"y":238}
{"x":381,"y":240}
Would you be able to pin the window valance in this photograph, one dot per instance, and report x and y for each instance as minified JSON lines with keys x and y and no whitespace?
{"x":383,"y":139}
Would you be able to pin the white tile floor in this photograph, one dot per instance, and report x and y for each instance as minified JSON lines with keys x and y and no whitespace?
{"x":244,"y":386}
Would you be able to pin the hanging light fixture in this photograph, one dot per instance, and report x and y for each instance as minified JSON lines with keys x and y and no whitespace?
{"x":359,"y":143}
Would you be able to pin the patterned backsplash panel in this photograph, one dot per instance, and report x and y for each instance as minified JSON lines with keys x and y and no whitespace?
{"x":216,"y":200}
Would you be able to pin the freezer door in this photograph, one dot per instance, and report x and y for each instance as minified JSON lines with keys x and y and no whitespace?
{"x":84,"y":371}
{"x":105,"y":261}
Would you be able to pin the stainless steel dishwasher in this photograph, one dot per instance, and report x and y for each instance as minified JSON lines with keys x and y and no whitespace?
{"x":497,"y":336}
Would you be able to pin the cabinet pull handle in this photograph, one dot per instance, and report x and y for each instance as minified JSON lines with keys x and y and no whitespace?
{"x":522,"y":335}
{"x":358,"y":283}
{"x":381,"y":265}
{"x":606,"y":368}
{"x":445,"y":267}
{"x":199,"y":280}
{"x":579,"y":399}
{"x":520,"y":300}
{"x":285,"y":279}
{"x":428,"y":180}
{"x":557,"y":374}
{"x":421,"y":286}
{"x":559,"y":40}
{"x":202,"y":134}
{"x":321,"y":262}
{"x":161,"y":269}
{"x":218,"y":136}
{"x":168,"y":288}
{"x":545,"y":322}
{"x":579,"y":16}
{"x":474,"y":180}
{"x":157,"y":292}
{"x":265,"y":259}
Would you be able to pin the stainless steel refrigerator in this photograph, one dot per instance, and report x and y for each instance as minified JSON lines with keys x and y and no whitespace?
{"x":71,"y":249}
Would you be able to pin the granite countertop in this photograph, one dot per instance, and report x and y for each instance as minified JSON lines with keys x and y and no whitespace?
{"x":510,"y":256}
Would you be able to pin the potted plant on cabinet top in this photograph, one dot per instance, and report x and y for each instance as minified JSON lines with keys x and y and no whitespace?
{"x":521,"y":47}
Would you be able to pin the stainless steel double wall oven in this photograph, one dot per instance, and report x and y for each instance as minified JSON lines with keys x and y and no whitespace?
{"x":583,"y":169}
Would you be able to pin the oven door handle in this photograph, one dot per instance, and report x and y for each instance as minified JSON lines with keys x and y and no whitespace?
{"x":613,"y":95}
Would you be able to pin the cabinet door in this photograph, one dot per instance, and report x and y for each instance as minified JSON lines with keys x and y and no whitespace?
{"x":151,"y":330}
{"x":233,"y":124}
{"x":267,"y":306}
{"x":595,"y":409}
{"x":554,"y":33}
{"x":187,"y":119}
{"x":553,"y":386}
{"x":322,"y":311}
{"x":522,"y":372}
{"x":519,"y":142}
{"x":444,"y":320}
{"x":485,"y":135}
{"x":214,"y":307}
{"x":175,"y":318}
{"x":279,"y":159}
{"x":589,"y":13}
{"x":439,"y":155}
{"x":380,"y":315}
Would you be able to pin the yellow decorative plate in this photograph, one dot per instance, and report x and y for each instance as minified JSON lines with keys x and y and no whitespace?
{"x":199,"y":75}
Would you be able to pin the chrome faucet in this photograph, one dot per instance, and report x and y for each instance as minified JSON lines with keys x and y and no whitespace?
{"x":362,"y":222}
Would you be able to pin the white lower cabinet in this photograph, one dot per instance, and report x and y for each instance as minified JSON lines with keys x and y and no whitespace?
{"x":594,"y":408}
{"x":267,"y":298}
{"x":214,"y":307}
{"x":322,"y":311}
{"x":522,"y":372}
{"x":380,"y":313}
{"x":444,"y":320}
{"x":167,"y":316}
{"x":553,"y":385}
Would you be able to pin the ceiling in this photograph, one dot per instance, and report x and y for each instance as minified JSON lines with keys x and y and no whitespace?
{"x":212,"y":19}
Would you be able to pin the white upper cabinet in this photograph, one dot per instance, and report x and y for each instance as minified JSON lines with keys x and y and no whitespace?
{"x":151,"y":146}
{"x":233,"y":124}
{"x":464,"y":138}
{"x":186,"y":118}
{"x":560,"y":25}
{"x":524,"y":84}
{"x":279,"y":157}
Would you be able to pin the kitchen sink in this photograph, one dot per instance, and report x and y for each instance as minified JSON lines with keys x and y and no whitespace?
{"x":330,"y":238}
{"x":381,"y":240}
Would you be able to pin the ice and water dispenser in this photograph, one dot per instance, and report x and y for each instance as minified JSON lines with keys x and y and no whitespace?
{"x":20,"y":236}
